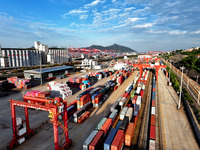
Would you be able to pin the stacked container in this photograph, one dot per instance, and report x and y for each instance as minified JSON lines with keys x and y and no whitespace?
{"x":59,"y":89}
{"x":20,"y":83}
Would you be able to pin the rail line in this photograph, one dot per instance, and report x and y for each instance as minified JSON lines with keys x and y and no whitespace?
{"x":192,"y":86}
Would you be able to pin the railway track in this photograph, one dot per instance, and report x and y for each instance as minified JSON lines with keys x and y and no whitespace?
{"x":192,"y":87}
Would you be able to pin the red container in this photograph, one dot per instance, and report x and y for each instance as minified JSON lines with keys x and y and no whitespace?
{"x":152,"y":132}
{"x":153,"y":120}
{"x":98,"y":98}
{"x":116,"y":87}
{"x":118,"y":141}
{"x":97,"y":142}
{"x":84,"y":117}
{"x":134,"y":99}
{"x":141,"y":93}
{"x":154,"y":89}
{"x":154,"y":103}
{"x":126,"y":95}
{"x":107,"y":125}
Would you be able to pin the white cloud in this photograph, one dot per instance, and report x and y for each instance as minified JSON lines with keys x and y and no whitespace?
{"x":83,"y":16}
{"x":94,"y":3}
{"x":73,"y":24}
{"x":132,"y":20}
{"x":128,"y":9}
{"x":113,"y":1}
{"x":197,"y":32}
{"x":75,"y":12}
{"x":147,"y":25}
{"x":177,"y":32}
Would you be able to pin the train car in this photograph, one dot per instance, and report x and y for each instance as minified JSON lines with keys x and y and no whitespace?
{"x":78,"y":113}
{"x":108,"y":141}
{"x":124,"y":123}
{"x":89,"y":139}
{"x":97,"y":142}
{"x":123,"y":113}
{"x":101,"y":123}
{"x":118,"y":142}
{"x":129,"y":134}
{"x":129,"y":113}
{"x":113,"y":115}
{"x":107,"y":126}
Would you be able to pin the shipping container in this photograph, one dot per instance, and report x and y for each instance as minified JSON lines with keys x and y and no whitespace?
{"x":129,"y":113}
{"x":114,"y":106}
{"x":101,"y":123}
{"x":89,"y":139}
{"x":97,"y":142}
{"x":153,"y":120}
{"x":114,"y":114}
{"x":153,"y":103}
{"x":118,"y":124}
{"x":124,"y":123}
{"x":123,"y":113}
{"x":78,"y":113}
{"x":152,"y":144}
{"x":118,"y":142}
{"x":134,"y":99}
{"x":107,"y":126}
{"x":152,"y":132}
{"x":153,"y":110}
{"x":129,"y":134}
{"x":108,"y":141}
{"x":139,"y":101}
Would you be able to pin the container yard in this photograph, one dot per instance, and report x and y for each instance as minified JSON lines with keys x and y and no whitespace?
{"x":105,"y":109}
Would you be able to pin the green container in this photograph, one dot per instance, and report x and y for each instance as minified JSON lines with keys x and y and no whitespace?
{"x":101,"y":123}
{"x":132,"y":94}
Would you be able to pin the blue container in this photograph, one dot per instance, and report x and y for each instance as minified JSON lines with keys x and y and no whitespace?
{"x":108,"y":142}
{"x":93,"y":96}
{"x":129,"y":90}
{"x":118,"y":124}
{"x":131,"y":87}
{"x":71,"y":108}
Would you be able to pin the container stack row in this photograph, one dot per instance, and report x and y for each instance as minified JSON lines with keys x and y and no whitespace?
{"x":112,"y":135}
{"x":93,"y":97}
{"x":152,"y":136}
{"x":59,"y":89}
{"x":20,"y":83}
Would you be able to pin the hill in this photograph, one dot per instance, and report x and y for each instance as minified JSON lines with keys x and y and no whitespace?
{"x":118,"y":48}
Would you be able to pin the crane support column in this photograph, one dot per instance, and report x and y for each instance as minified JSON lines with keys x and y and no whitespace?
{"x":13,"y":113}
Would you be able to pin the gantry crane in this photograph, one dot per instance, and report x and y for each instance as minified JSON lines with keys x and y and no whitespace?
{"x":55,"y":107}
{"x":156,"y":67}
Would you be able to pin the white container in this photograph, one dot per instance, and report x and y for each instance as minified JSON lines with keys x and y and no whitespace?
{"x":138,"y":101}
{"x":138,"y":90}
{"x":122,"y":102}
{"x":129,"y":113}
{"x":153,"y":110}
{"x":18,"y":121}
{"x":22,"y":131}
{"x":123,"y":113}
{"x":21,"y":140}
{"x":152,"y":145}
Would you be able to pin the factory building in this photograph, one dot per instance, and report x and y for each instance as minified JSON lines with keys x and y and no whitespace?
{"x":20,"y":57}
{"x":14,"y":57}
{"x":57,"y":56}
{"x":47,"y":72}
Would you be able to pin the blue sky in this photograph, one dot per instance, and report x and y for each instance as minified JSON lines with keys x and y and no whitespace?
{"x":142,"y":25}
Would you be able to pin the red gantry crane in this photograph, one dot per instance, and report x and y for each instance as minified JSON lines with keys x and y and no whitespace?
{"x":55,"y":107}
{"x":142,"y":66}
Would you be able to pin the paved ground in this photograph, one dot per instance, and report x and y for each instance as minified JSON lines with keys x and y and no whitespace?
{"x":43,"y":138}
{"x":177,"y":132}
{"x":37,"y":119}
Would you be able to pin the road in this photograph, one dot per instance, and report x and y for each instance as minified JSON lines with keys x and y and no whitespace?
{"x":176,"y":130}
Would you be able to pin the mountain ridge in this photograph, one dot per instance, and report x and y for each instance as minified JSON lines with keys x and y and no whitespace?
{"x":118,"y":48}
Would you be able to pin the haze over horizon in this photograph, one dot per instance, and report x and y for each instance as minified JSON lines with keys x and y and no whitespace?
{"x":138,"y":24}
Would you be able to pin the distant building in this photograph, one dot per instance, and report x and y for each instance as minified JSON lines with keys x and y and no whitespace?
{"x":22,"y":57}
{"x":88,"y":63}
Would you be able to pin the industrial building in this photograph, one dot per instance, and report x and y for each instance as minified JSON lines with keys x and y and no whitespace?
{"x":47,"y":72}
{"x":21,"y":57}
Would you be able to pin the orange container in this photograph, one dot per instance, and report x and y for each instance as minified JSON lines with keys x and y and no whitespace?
{"x":153,"y":120}
{"x":107,"y":126}
{"x":129,"y":134}
{"x":118,"y":141}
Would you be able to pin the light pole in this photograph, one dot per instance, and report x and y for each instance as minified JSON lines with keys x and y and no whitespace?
{"x":169,"y":71}
{"x":40,"y":68}
{"x":179,"y":102}
{"x":197,"y":77}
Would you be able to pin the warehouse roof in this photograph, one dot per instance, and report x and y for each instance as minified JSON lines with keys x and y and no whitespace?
{"x":50,"y":69}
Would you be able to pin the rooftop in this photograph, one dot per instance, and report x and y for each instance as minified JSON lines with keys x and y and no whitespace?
{"x":50,"y":69}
